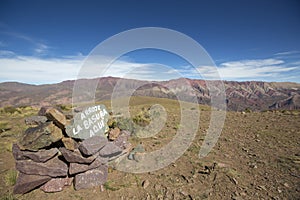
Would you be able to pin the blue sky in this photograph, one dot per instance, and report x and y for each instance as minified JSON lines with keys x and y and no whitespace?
{"x":47,"y":41}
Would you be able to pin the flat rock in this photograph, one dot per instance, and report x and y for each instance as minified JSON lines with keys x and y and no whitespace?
{"x":39,"y":156}
{"x":110,"y":150}
{"x":35,"y":120}
{"x":92,"y":145}
{"x":76,"y":168}
{"x":25,"y":183}
{"x":39,"y":137}
{"x":122,"y":140}
{"x":56,"y":184}
{"x":58,"y":118}
{"x":75,"y":156}
{"x":89,"y":122}
{"x":54,"y":167}
{"x":91,"y":178}
{"x":114,"y":133}
{"x":70,"y":143}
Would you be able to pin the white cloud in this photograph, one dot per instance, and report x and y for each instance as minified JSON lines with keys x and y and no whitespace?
{"x":49,"y":70}
{"x":247,"y":69}
{"x":37,"y":70}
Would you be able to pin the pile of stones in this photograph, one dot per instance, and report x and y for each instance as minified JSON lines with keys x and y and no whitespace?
{"x":60,"y":150}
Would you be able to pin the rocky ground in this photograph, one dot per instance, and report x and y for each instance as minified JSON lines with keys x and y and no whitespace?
{"x":256,"y":157}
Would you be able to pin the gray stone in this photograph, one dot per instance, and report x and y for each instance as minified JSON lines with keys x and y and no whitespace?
{"x":88,"y":123}
{"x":54,"y":167}
{"x":56,"y":184}
{"x":35,"y":120}
{"x":75,"y":156}
{"x":40,"y":156}
{"x":110,"y":150}
{"x":92,"y":145}
{"x":76,"y":168}
{"x":91,"y":178}
{"x":25,"y":183}
{"x":39,"y":137}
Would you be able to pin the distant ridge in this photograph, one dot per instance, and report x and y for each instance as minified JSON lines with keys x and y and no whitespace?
{"x":254,"y":95}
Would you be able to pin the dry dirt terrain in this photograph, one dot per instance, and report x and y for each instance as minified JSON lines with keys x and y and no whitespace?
{"x":256,"y":157}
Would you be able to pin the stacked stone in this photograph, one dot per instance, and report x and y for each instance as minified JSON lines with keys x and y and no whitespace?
{"x":47,"y":158}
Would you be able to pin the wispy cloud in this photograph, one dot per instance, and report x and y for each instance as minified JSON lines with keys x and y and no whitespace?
{"x":41,"y":48}
{"x":261,"y":69}
{"x":287,"y":53}
{"x":38,"y":47}
{"x":6,"y":53}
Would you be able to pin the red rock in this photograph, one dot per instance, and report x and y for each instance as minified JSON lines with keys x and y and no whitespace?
{"x":54,"y":167}
{"x":56,"y":184}
{"x":91,"y":178}
{"x":75,"y":156}
{"x":110,"y":150}
{"x":25,"y":183}
{"x":122,"y":140}
{"x":76,"y":168}
{"x":92,"y":145}
{"x":40,"y":156}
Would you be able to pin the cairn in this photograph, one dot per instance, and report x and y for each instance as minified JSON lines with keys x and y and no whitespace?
{"x":56,"y":152}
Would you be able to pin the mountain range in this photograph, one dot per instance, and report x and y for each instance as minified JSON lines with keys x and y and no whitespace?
{"x":253,"y":95}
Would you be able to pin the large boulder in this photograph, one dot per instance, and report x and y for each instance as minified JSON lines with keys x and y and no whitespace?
{"x":39,"y":137}
{"x":54,"y":167}
{"x":25,"y":183}
{"x":89,"y":122}
{"x":91,"y":178}
{"x":92,"y":145}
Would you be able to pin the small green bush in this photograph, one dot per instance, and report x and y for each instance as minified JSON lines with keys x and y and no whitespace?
{"x":11,"y":177}
{"x":11,"y":110}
